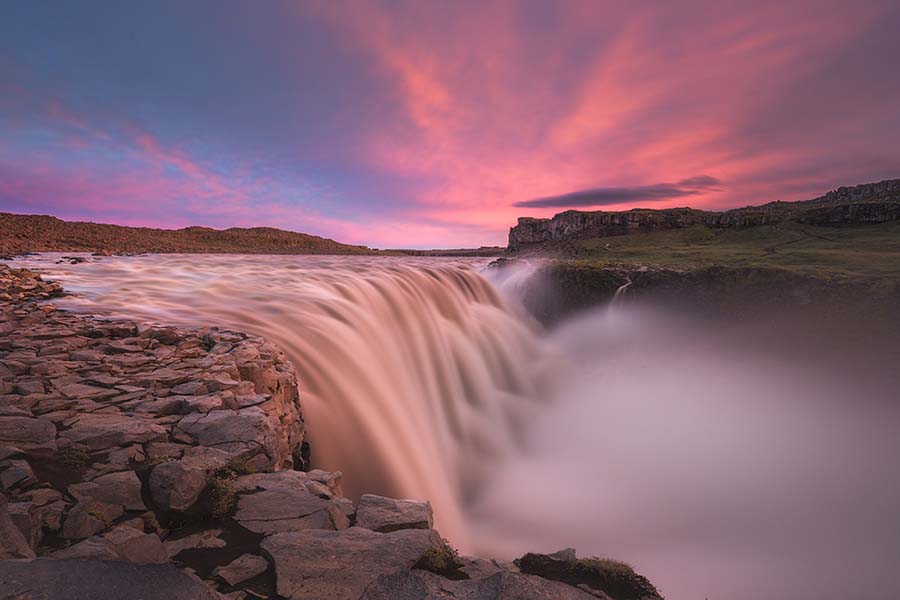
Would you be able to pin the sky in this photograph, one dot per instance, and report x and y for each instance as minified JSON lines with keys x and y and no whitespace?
{"x":437,"y":124}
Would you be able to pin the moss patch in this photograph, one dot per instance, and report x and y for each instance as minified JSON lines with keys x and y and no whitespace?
{"x":442,"y":560}
{"x":222,"y":496}
{"x":615,"y":578}
{"x":74,"y":458}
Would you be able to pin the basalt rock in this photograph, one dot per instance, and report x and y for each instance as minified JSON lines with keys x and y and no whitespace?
{"x":503,"y":585}
{"x":386,"y":514}
{"x":52,"y":579}
{"x":339,"y":565}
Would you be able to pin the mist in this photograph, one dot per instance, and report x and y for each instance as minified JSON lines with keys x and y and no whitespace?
{"x":737,"y":460}
{"x":725,"y":457}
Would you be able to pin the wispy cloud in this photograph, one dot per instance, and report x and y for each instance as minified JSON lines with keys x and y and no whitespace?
{"x":606,"y":196}
{"x":408,"y":123}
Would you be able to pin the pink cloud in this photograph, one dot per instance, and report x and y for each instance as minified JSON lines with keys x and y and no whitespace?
{"x":665,"y":96}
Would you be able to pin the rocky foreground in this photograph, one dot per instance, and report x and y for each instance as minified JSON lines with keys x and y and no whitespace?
{"x":139,"y":461}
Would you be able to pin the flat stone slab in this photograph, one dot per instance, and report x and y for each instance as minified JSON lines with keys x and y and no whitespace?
{"x":46,"y":578}
{"x":26,"y":432}
{"x":123,"y":488}
{"x":386,"y":514}
{"x":314,"y":564}
{"x":504,"y":585}
{"x":241,"y":569}
{"x":282,"y":509}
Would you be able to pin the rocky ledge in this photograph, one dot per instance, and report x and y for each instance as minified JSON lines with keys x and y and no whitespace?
{"x":160,"y":462}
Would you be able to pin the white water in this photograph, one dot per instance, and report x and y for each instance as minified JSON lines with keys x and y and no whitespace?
{"x":720,"y":469}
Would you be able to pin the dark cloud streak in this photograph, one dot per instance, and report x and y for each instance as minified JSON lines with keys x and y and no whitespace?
{"x":691,"y":186}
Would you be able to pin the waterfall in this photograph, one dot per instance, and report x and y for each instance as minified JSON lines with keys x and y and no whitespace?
{"x":414,"y":374}
{"x":687,"y":446}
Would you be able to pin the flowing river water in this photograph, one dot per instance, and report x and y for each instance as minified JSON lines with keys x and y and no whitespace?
{"x":720,"y":469}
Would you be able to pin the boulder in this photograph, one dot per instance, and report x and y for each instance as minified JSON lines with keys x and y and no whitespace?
{"x":93,"y":548}
{"x":386,"y":514}
{"x":123,"y":488}
{"x":25,"y":517}
{"x":204,"y":539}
{"x":90,"y":517}
{"x":241,"y":569}
{"x":12,"y":543}
{"x":503,"y":585}
{"x":51,"y":515}
{"x":314,"y":564}
{"x":330,"y":479}
{"x":208,"y":459}
{"x":120,"y":543}
{"x":282,"y":509}
{"x":26,"y":432}
{"x":91,"y":579}
{"x":176,"y":486}
{"x":16,"y":473}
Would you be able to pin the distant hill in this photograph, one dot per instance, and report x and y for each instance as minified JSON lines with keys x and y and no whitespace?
{"x":867,"y":203}
{"x":39,"y":233}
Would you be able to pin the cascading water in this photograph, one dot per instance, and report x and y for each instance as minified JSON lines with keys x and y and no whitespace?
{"x":414,"y":374}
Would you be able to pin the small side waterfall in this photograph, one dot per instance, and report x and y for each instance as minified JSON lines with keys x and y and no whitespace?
{"x":619,"y":297}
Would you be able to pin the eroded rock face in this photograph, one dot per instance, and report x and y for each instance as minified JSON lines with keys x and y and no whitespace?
{"x":99,"y":418}
{"x":99,"y":431}
{"x":314,"y":564}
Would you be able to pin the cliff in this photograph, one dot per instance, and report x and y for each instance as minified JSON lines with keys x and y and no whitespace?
{"x":867,"y":203}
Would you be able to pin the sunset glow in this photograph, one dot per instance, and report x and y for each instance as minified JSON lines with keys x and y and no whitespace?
{"x":414,"y":124}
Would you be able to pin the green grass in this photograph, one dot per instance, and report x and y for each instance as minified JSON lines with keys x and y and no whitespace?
{"x":857,"y":251}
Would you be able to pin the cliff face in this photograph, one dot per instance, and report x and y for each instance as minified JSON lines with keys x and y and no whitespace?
{"x":867,"y":203}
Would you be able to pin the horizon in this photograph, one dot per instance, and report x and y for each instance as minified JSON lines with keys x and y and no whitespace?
{"x":417,"y":126}
{"x":429,"y":248}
